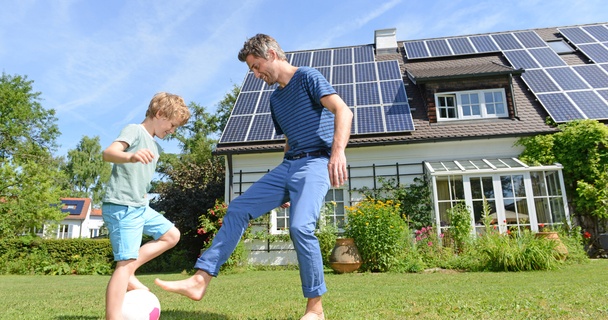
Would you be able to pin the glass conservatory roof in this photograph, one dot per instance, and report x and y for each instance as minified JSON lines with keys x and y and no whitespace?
{"x":449,"y":167}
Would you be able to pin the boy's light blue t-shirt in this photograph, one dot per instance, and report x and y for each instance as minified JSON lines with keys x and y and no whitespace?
{"x":130,"y":182}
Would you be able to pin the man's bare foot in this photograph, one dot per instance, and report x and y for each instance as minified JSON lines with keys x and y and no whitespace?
{"x":193,"y":287}
{"x":135,"y":284}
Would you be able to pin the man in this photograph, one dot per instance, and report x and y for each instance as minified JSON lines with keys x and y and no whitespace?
{"x":316,"y":123}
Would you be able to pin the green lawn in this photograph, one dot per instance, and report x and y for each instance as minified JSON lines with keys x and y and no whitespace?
{"x":573,"y":292}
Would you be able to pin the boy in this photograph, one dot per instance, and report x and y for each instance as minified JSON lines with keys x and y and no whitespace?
{"x":125,"y":209}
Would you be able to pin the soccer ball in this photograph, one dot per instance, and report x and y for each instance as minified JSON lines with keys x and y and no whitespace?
{"x":140,"y":305}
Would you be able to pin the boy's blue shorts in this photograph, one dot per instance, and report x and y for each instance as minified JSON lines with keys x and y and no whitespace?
{"x":126,"y":226}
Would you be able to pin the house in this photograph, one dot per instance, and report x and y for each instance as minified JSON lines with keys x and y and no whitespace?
{"x":81,"y":221}
{"x":448,"y":110}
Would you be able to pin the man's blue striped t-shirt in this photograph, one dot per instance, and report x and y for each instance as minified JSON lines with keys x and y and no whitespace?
{"x":297,"y":112}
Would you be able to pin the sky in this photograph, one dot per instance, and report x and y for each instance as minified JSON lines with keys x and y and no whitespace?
{"x":98,"y":63}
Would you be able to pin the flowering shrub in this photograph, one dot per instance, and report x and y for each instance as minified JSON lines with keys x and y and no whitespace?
{"x":430,"y":248}
{"x":211,"y":222}
{"x":379,"y":233}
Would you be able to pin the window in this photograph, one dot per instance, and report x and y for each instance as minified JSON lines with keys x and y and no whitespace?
{"x":64,"y":231}
{"x":471,"y":104}
{"x":548,"y":199}
{"x":93,"y":233}
{"x":333,"y":211}
{"x":449,"y":191}
{"x":560,"y":47}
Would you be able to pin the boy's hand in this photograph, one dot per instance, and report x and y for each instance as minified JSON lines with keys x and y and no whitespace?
{"x":144,"y":156}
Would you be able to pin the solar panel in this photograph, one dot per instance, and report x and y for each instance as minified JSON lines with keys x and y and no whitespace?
{"x":252,"y":83}
{"x":262,"y":128}
{"x":547,"y":57}
{"x":520,"y":59}
{"x":246,"y":103}
{"x":367,"y":94}
{"x":301,"y":59}
{"x":603,"y":94}
{"x":539,"y":81}
{"x":398,"y":118}
{"x":598,"y":32}
{"x":365,"y":72}
{"x":264,"y":104}
{"x":506,"y":41}
{"x":346,"y":92}
{"x":389,"y":70}
{"x":364,"y":54}
{"x":343,"y":56}
{"x":439,"y":48}
{"x":393,"y":92}
{"x":597,"y":52}
{"x":530,"y":39}
{"x":342,"y":74}
{"x":559,"y":107}
{"x":236,"y":128}
{"x":372,"y":86}
{"x":576,"y":35}
{"x":590,"y":104}
{"x":484,"y":44}
{"x":593,"y":74}
{"x":321,"y":58}
{"x":415,"y":49}
{"x":369,"y":120}
{"x":567,"y":79}
{"x":461,"y":45}
{"x":605,"y":66}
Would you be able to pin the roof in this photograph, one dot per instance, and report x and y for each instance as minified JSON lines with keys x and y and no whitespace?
{"x":530,"y":114}
{"x":469,"y":69}
{"x":76,"y":208}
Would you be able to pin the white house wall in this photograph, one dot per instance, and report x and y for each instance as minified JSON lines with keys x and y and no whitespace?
{"x":385,"y":158}
{"x":382,"y":155}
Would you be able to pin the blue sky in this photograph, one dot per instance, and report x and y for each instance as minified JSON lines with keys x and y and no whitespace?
{"x":98,"y":63}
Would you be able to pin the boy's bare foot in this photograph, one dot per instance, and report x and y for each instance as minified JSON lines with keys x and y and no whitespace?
{"x":193,"y":287}
{"x":135,"y":284}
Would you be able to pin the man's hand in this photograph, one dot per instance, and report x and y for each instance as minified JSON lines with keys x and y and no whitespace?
{"x":337,"y":169}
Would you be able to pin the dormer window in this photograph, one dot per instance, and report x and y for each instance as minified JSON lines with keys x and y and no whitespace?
{"x":478,"y":104}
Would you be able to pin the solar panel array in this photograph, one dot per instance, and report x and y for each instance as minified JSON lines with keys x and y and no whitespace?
{"x":566,"y":92}
{"x":373,"y":90}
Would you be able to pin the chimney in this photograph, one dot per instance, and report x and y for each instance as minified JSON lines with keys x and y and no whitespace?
{"x":386,"y":41}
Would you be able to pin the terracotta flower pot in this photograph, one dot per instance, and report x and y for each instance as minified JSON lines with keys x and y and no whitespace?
{"x":345,"y":256}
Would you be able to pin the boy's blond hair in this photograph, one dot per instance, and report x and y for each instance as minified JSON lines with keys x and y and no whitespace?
{"x":170,"y":106}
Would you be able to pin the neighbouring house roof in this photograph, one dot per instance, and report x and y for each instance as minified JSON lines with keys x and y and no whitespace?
{"x":531,"y":106}
{"x":76,"y":208}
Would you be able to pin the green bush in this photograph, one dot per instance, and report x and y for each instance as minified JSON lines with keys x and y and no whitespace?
{"x":460,"y":226}
{"x":517,"y":252}
{"x":29,"y":255}
{"x":379,"y":233}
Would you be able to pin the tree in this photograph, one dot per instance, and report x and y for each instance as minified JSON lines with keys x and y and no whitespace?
{"x":580,"y":146}
{"x":86,"y":170}
{"x":30,"y":193}
{"x":23,"y":121}
{"x":30,"y":178}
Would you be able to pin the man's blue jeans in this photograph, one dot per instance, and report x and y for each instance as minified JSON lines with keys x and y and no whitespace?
{"x":304,"y":183}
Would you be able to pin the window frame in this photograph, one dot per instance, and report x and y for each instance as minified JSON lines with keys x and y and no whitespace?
{"x":460,"y":99}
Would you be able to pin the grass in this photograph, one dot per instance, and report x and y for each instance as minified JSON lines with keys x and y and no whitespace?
{"x":572,"y":292}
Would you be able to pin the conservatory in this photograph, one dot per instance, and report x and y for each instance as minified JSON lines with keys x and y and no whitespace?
{"x":518,"y":196}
